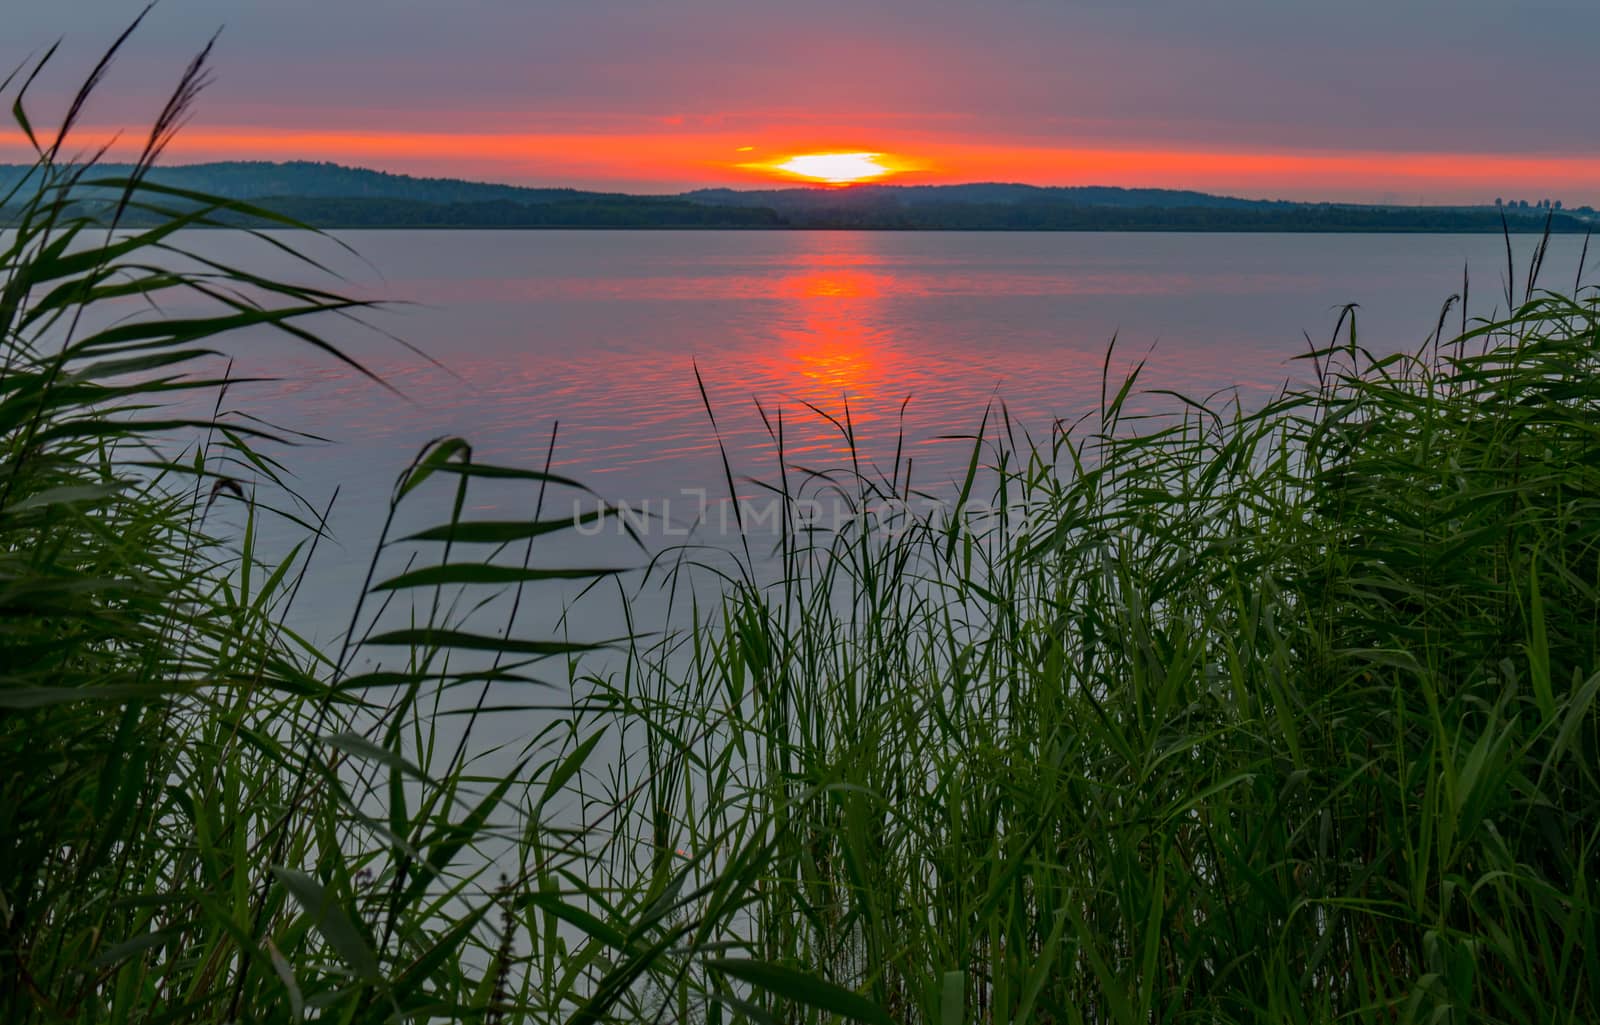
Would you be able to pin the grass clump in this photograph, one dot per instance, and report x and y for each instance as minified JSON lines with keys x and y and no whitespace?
{"x":205,"y":818}
{"x":1284,"y":714}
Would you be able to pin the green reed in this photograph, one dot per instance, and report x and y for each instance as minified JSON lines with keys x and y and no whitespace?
{"x":1271,"y":714}
{"x":204,"y":817}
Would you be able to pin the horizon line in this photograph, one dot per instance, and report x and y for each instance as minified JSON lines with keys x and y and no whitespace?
{"x":797,"y":186}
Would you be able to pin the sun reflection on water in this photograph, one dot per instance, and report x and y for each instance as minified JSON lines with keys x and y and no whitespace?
{"x":829,"y":346}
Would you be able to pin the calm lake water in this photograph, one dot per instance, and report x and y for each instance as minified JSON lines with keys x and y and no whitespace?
{"x":603,"y":331}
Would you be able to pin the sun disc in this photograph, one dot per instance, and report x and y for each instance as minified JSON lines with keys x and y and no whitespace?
{"x":835,"y":168}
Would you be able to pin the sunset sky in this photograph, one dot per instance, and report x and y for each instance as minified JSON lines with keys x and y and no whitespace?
{"x":1390,"y":101}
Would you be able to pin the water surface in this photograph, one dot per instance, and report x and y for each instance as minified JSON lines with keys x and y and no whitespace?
{"x":912,"y":335}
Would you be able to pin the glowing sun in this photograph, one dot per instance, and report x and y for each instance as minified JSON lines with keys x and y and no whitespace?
{"x":835,"y":168}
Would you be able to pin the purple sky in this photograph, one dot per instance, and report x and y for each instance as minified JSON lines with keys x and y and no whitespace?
{"x":1359,"y":100}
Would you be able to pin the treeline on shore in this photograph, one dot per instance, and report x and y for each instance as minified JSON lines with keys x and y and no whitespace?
{"x":331,"y":196}
{"x":602,"y":211}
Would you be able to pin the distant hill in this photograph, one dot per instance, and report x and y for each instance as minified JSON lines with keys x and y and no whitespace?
{"x":313,"y":180}
{"x":983,"y":193}
{"x":252,"y":179}
{"x":335,"y":196}
{"x":331,"y":195}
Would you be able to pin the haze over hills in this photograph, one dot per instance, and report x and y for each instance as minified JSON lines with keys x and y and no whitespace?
{"x":332,"y":195}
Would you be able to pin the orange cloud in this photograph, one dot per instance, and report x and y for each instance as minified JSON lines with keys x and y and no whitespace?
{"x":688,"y":159}
{"x":1297,"y":172}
